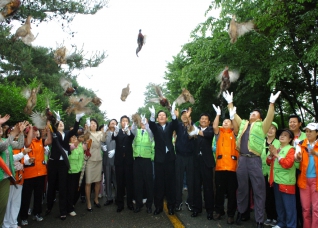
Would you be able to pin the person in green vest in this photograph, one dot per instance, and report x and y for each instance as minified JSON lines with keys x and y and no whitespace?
{"x":143,"y":154}
{"x":250,"y":143}
{"x":270,"y":198}
{"x":282,"y":178}
{"x":294,"y":124}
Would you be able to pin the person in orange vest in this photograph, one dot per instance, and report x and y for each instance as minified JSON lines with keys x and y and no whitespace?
{"x":34,"y":173}
{"x":307,"y":156}
{"x":226,"y":162}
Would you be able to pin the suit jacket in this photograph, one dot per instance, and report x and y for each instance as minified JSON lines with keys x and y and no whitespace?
{"x":111,"y":145}
{"x":123,"y":148}
{"x":203,"y":144}
{"x":163,"y":139}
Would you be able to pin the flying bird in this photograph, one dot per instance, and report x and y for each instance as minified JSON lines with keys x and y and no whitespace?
{"x":60,"y":55}
{"x":97,"y":101}
{"x":124,"y":93}
{"x":10,"y":7}
{"x":226,"y":77}
{"x":24,"y":32}
{"x":141,"y":40}
{"x":67,"y":86}
{"x":78,"y":105}
{"x":184,"y":97}
{"x":239,"y":29}
{"x":163,"y":101}
{"x":31,"y":95}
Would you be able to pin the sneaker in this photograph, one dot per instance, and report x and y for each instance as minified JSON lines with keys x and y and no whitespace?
{"x":273,"y":223}
{"x":37,"y":218}
{"x":185,"y":189}
{"x":73,"y":213}
{"x":268,"y":222}
{"x":178,"y":207}
{"x":144,"y":201}
{"x":188,"y":206}
{"x":30,"y":211}
{"x":134,"y":201}
{"x":276,"y":226}
{"x":24,"y":222}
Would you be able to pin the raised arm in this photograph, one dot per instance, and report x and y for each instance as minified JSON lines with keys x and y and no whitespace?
{"x":270,"y":113}
{"x":229,"y":98}
{"x":216,"y":119}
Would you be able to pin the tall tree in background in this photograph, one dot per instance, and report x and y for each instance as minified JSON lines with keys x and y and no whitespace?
{"x":22,"y":65}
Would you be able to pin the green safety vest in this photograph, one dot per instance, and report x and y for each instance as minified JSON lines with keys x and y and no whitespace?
{"x":281,"y":175}
{"x":255,"y":138}
{"x":142,"y":146}
{"x":265,"y":167}
{"x":4,"y":157}
{"x":76,"y":159}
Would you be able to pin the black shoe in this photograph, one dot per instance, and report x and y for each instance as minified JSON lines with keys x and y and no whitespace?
{"x":131,"y":207}
{"x":149,"y":210}
{"x":171,"y":211}
{"x":97,"y":205}
{"x":47,"y":212}
{"x":239,"y":219}
{"x":230,"y":220}
{"x":194,"y":214}
{"x":108,"y":202}
{"x":210,"y":216}
{"x":89,"y":209}
{"x":137,"y":209}
{"x":178,"y":207}
{"x":119,"y":209}
{"x":157,"y":211}
{"x":63,"y":217}
{"x":259,"y":225}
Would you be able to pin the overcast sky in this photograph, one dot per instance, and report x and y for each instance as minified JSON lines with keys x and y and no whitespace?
{"x":167,"y":24}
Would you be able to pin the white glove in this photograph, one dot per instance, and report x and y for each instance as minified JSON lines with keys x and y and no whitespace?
{"x":217,"y":110}
{"x":57,"y":114}
{"x":79,"y":116}
{"x":152,"y":112}
{"x":105,"y":127}
{"x":88,"y":122}
{"x":104,"y":148}
{"x":116,"y":129}
{"x":143,"y":119}
{"x":173,"y":108}
{"x":228,"y":97}
{"x":273,"y":98}
{"x":111,"y":153}
{"x":232,"y":113}
{"x":195,"y":131}
{"x":296,"y":142}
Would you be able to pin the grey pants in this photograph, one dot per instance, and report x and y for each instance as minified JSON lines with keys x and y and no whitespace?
{"x":251,"y":168}
{"x":110,"y":176}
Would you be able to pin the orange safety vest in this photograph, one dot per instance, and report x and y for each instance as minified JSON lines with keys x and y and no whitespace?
{"x":226,"y":154}
{"x":19,"y":172}
{"x":38,"y":168}
{"x":303,"y":165}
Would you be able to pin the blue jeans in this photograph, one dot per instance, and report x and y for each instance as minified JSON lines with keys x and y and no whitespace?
{"x":286,"y":208}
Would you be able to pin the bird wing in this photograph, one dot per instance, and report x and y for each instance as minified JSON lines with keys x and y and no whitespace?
{"x":159,"y":92}
{"x":65,"y":84}
{"x":3,"y":3}
{"x":60,"y":55}
{"x":156,"y":100}
{"x":136,"y":119}
{"x":245,"y":27}
{"x":144,"y":41}
{"x":180,"y":100}
{"x":219,"y":76}
{"x":78,"y":104}
{"x":26,"y":92}
{"x":28,"y":39}
{"x":38,"y":120}
{"x":234,"y":75}
{"x":233,"y":30}
{"x":191,"y":99}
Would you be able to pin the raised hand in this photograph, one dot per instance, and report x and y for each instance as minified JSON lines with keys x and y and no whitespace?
{"x":232,"y":113}
{"x":273,"y":98}
{"x":57,"y":115}
{"x":4,"y":119}
{"x":143,"y":119}
{"x":152,"y":111}
{"x":228,"y":96}
{"x":79,"y":116}
{"x":217,"y":110}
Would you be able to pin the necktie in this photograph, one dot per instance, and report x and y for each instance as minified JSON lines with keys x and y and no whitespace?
{"x":142,"y":132}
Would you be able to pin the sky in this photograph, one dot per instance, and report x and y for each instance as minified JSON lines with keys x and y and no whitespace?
{"x":167,"y":25}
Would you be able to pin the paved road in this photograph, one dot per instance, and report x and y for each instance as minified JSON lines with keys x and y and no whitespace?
{"x":108,"y":217}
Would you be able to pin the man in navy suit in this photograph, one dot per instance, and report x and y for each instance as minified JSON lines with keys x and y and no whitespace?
{"x":164,"y":158}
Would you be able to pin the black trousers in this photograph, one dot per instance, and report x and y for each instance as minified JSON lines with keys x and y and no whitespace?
{"x":270,"y":207}
{"x":143,"y":179}
{"x":73,"y":192}
{"x":226,"y":183}
{"x":165,"y":183}
{"x":184,"y":164}
{"x":57,"y":174}
{"x":203,"y":175}
{"x":35,"y":184}
{"x":124,"y":179}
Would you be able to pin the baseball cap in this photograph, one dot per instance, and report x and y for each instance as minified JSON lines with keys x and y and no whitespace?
{"x":184,"y":110}
{"x":275,"y":125}
{"x":312,"y":126}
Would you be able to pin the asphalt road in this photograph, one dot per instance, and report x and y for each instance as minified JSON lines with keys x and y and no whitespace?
{"x":108,"y":217}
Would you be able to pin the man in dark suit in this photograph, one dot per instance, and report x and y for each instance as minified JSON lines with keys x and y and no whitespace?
{"x":124,"y":163}
{"x":203,"y":166}
{"x":164,"y":158}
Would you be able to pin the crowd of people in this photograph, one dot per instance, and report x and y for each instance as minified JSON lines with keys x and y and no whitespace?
{"x":248,"y":161}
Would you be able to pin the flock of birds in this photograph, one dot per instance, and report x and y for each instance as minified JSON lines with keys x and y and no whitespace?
{"x":78,"y":104}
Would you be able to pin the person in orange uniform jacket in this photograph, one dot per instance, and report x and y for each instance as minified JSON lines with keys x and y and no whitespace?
{"x":34,"y":173}
{"x":226,"y":163}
